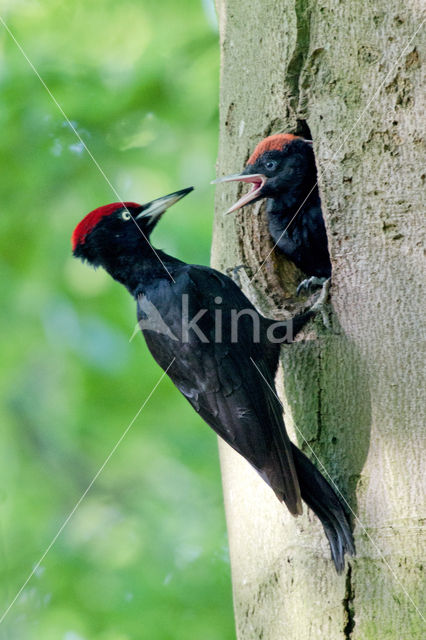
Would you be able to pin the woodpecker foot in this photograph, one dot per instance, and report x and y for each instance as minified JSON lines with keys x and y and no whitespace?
{"x":232,"y":272}
{"x":320,"y":304}
{"x":310,"y":284}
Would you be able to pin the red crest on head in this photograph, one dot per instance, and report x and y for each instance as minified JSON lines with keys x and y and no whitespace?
{"x":90,"y":221}
{"x":272,"y":143}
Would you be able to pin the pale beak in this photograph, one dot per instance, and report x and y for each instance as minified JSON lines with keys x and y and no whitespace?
{"x":157,"y":207}
{"x":257,"y":179}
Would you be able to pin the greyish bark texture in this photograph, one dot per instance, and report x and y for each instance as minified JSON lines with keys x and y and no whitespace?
{"x":351,"y":72}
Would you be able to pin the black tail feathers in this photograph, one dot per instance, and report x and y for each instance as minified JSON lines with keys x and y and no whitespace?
{"x":322,"y":499}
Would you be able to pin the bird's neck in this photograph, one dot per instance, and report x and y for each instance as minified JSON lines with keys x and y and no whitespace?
{"x":138,"y":271}
{"x":286,"y":205}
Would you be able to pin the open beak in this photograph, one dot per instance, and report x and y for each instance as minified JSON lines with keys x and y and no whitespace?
{"x":257,"y":179}
{"x":157,"y":207}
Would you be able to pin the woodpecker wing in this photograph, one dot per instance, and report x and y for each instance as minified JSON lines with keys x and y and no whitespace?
{"x":225,"y":377}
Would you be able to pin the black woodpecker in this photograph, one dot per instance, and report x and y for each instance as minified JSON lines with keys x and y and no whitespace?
{"x":282,"y":169}
{"x":227,"y":375}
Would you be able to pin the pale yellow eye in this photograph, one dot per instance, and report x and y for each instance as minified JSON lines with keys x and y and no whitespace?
{"x":125,"y":215}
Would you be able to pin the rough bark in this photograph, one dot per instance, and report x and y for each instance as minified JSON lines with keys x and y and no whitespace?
{"x":350,"y":74}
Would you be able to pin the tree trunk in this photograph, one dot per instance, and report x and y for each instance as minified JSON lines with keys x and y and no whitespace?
{"x":349,"y":73}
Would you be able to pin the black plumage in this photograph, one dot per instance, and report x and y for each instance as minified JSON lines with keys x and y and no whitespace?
{"x":228,"y":377}
{"x":282,"y":170}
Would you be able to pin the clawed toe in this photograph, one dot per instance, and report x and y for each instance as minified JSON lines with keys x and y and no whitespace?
{"x":320,"y":304}
{"x":310,"y":284}
{"x":232,"y":272}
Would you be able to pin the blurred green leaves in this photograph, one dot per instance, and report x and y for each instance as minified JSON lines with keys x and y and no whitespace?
{"x":145,"y":554}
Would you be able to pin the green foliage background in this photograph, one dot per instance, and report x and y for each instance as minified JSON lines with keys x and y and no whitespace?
{"x":145,"y":554}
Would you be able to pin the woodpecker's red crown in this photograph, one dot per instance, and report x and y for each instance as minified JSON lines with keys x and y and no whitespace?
{"x":272,"y":143}
{"x":90,"y":221}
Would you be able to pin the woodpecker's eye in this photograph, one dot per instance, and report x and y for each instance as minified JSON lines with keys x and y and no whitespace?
{"x":125,"y":215}
{"x":271,"y":165}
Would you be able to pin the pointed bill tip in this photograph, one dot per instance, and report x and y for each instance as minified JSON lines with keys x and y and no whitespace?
{"x":231,"y":178}
{"x":185,"y":191}
{"x":231,"y":209}
{"x":240,"y":177}
{"x":158,"y":206}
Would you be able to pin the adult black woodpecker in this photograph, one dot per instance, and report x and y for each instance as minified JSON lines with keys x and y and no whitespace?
{"x":225,"y":367}
{"x":282,"y":169}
